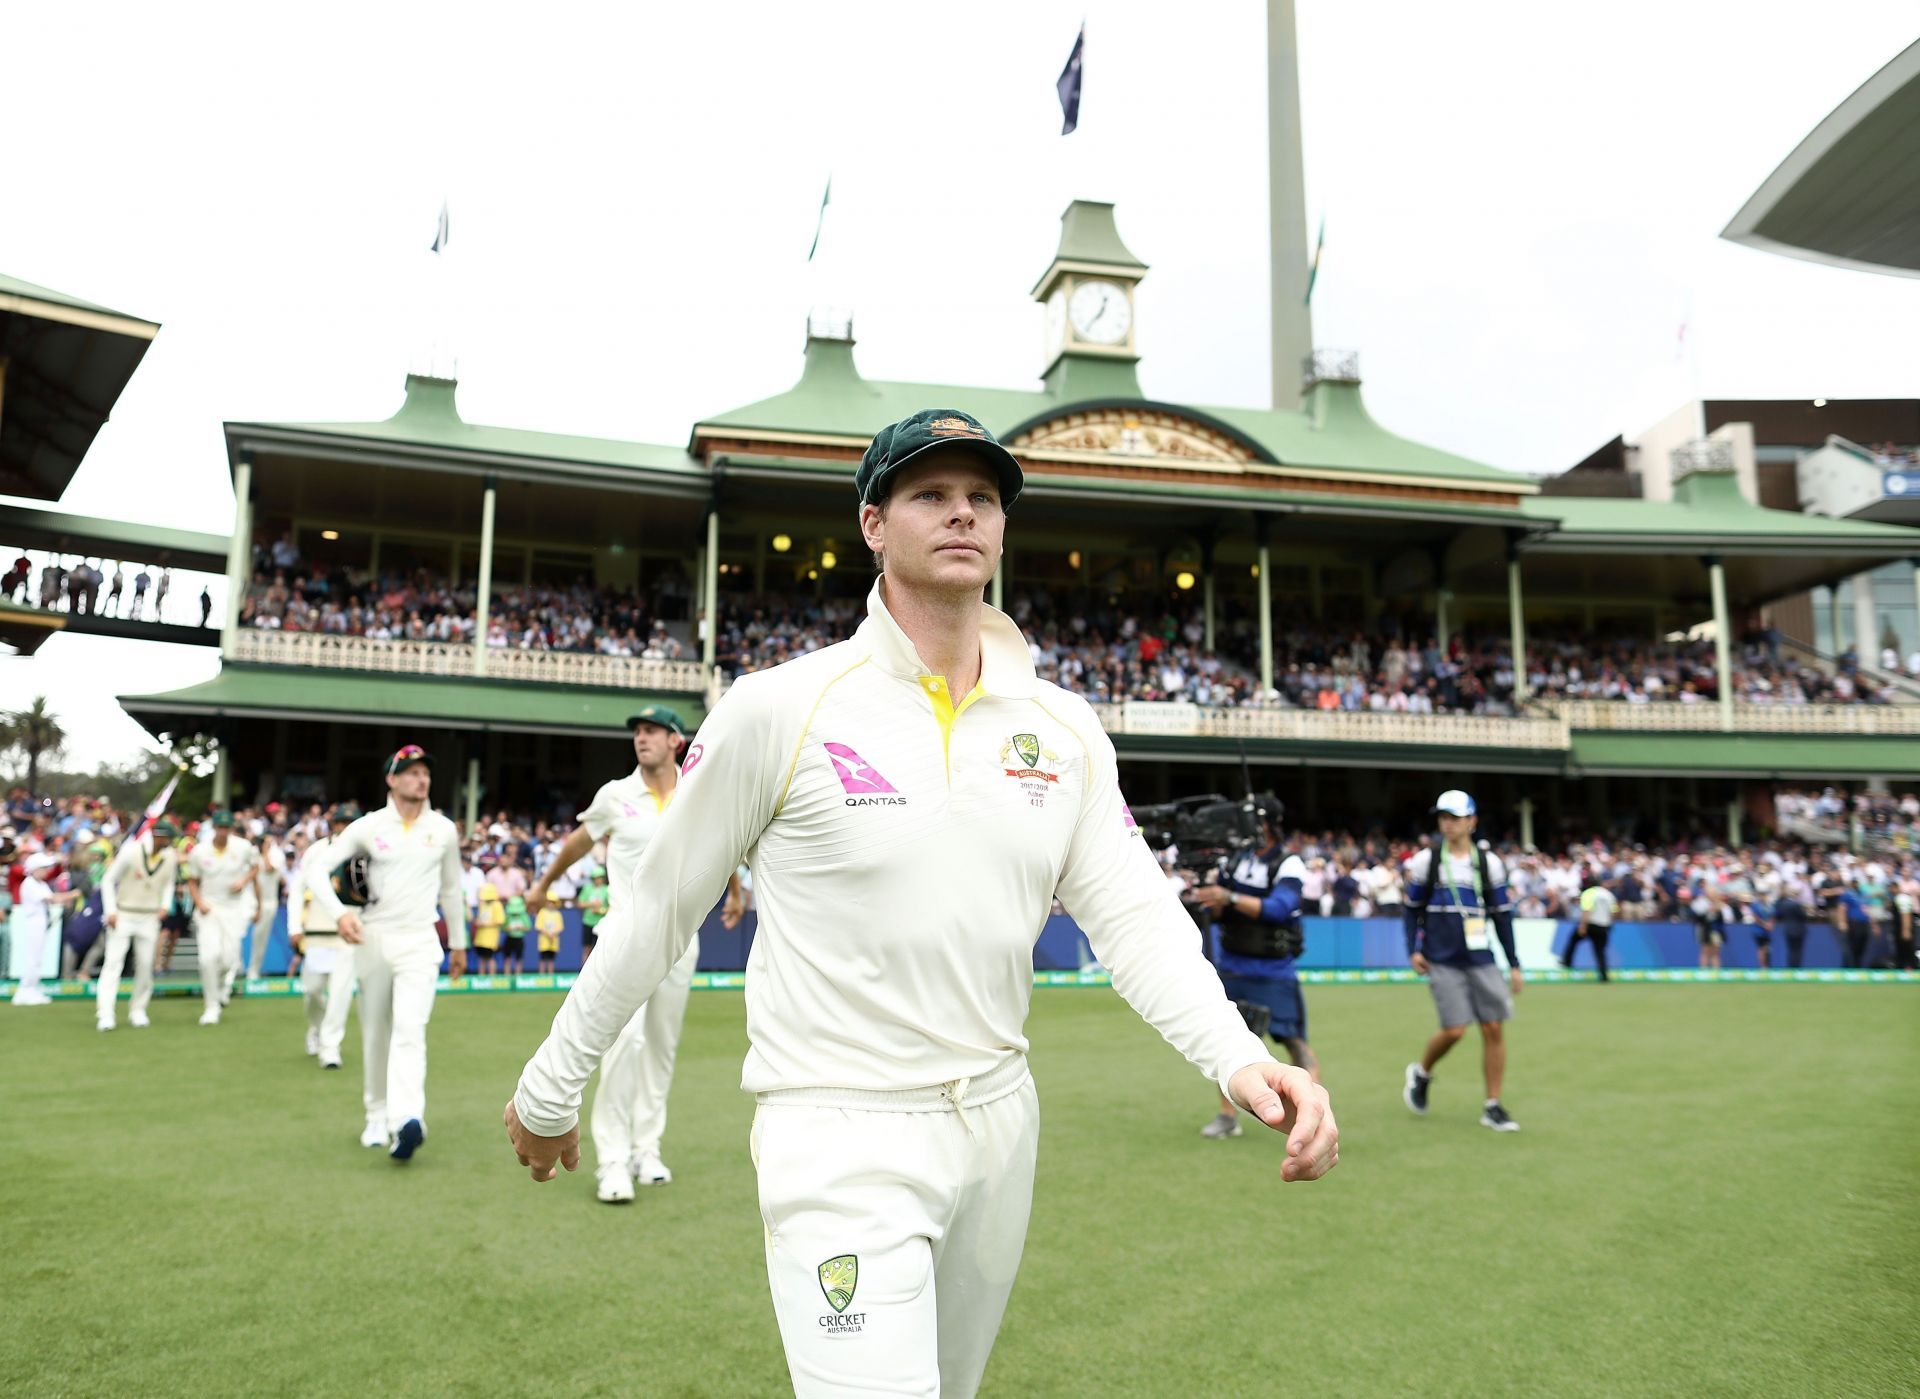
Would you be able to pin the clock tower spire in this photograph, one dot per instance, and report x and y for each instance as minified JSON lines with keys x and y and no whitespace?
{"x":1088,"y":291}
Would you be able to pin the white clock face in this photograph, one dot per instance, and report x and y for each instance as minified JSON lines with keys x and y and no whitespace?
{"x":1057,"y":319}
{"x":1100,"y":312}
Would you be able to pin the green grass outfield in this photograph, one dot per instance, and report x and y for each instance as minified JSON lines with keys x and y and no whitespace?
{"x":1717,"y":1191}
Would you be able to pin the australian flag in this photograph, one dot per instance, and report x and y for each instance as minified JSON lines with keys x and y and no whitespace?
{"x":1069,"y":85}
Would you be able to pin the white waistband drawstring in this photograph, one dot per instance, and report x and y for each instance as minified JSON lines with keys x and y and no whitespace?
{"x":956,"y":1094}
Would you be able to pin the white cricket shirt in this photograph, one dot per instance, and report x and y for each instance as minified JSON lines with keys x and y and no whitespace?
{"x":218,"y":869}
{"x":412,"y":871}
{"x":905,"y":852}
{"x":138,"y":880}
{"x":625,"y":813}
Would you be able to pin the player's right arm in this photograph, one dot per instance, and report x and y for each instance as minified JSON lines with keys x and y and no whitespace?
{"x":354,"y":840}
{"x":123,"y":859}
{"x":724,"y":800}
{"x":1413,"y":909}
{"x":571,"y":853}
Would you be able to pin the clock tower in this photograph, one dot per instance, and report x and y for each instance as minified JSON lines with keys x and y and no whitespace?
{"x":1088,"y":292}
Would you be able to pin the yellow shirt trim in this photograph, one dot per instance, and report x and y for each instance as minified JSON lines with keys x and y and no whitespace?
{"x":945,"y":714}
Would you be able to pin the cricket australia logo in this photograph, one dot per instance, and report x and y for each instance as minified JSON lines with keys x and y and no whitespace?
{"x":838,"y":1279}
{"x":1034,"y":758}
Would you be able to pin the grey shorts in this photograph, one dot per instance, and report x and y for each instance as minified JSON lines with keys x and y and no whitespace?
{"x":1469,"y":995}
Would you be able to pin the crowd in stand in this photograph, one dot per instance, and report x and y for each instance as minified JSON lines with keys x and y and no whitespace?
{"x":1099,"y":648}
{"x":1870,"y":897}
{"x":85,"y":588}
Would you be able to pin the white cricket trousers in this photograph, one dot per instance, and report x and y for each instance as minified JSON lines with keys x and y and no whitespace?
{"x":630,"y":1106}
{"x":141,"y":931}
{"x":216,"y":938}
{"x":326,"y":978}
{"x":894,"y":1225}
{"x":263,"y":925}
{"x":398,"y":968}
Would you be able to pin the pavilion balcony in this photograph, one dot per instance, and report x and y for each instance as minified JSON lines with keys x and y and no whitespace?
{"x":1858,"y":720}
{"x":325,"y":651}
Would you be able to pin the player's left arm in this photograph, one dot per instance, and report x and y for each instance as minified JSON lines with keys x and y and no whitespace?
{"x":1501,"y":910}
{"x":1111,"y":885}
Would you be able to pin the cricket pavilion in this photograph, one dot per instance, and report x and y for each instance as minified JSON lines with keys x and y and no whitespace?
{"x":1261,"y":520}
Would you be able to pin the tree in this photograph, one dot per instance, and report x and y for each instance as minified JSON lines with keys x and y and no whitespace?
{"x":35,"y":731}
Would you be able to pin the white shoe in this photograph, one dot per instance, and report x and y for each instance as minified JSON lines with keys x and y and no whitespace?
{"x":138,"y":1019}
{"x":35,"y":997}
{"x":649,"y":1169}
{"x":329,"y":1061}
{"x":103,"y":1024}
{"x":616,"y":1184}
{"x":210,"y":1016}
{"x":375,"y":1135}
{"x":313,"y":1043}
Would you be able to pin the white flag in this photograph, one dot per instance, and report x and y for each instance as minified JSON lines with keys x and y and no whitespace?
{"x":440,"y":229}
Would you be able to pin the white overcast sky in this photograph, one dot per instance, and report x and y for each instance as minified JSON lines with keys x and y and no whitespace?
{"x":1522,"y":204}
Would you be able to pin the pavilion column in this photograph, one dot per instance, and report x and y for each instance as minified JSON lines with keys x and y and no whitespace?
{"x":999,"y":598}
{"x":1266,"y":609}
{"x":1516,"y":625}
{"x":1722,"y":640}
{"x":473,"y":789}
{"x":1442,"y":622}
{"x":1916,"y":609}
{"x":1837,"y":633}
{"x":483,"y":598}
{"x":1735,"y":823}
{"x":1206,"y":591}
{"x":1866,"y":621}
{"x":223,"y":775}
{"x":239,"y":551}
{"x":1526,"y":823}
{"x":710,"y":589}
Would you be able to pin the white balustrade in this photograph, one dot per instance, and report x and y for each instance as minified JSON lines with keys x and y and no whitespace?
{"x":454,"y":660}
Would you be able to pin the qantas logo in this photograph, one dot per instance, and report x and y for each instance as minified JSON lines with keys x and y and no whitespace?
{"x":860,"y":779}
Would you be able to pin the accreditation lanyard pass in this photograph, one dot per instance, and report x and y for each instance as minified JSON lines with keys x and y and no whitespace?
{"x":1473,"y":924}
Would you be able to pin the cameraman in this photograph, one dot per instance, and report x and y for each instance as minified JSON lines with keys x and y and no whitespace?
{"x":1255,"y":937}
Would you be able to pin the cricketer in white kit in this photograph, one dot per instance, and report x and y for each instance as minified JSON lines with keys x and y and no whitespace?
{"x":630,"y":1106}
{"x":220,"y":873}
{"x":910,"y":802}
{"x":326,"y":965}
{"x":273,"y":873}
{"x":136,"y":891}
{"x":413,"y":869}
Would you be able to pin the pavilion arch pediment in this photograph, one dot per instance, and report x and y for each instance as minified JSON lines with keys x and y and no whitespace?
{"x":1130,"y":436}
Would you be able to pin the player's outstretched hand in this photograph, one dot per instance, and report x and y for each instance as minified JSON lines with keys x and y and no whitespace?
{"x":1288,"y":1101}
{"x":350,"y":929}
{"x":543,"y":1156}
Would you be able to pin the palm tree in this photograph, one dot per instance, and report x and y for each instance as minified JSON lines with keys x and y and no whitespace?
{"x":35,"y":731}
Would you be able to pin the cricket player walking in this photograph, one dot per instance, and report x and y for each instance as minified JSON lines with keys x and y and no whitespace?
{"x":413,"y":867}
{"x":222,"y":878}
{"x":137,"y":890}
{"x":630,"y":1107}
{"x":910,"y":802}
{"x":326,"y":965}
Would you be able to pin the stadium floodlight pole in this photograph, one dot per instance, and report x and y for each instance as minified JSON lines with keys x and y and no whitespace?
{"x":1722,"y":642}
{"x":1292,"y":314}
{"x":1516,"y":623}
{"x":484,"y":596}
{"x":239,"y":551}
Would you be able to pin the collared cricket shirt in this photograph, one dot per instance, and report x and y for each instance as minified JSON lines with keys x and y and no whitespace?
{"x":906,"y":846}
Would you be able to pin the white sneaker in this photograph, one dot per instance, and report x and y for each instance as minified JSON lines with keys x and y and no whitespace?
{"x":31,"y":997}
{"x":313,"y":1043}
{"x":103,"y":1024}
{"x":329,"y":1061}
{"x":616,"y":1184}
{"x":138,"y":1019}
{"x":649,"y":1169}
{"x":210,"y":1016}
{"x":375,"y":1135}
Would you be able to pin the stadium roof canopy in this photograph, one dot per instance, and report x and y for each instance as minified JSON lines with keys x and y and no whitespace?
{"x":63,"y":365}
{"x":1849,"y":194}
{"x":95,"y":536}
{"x":429,"y":431}
{"x":292,"y":693}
